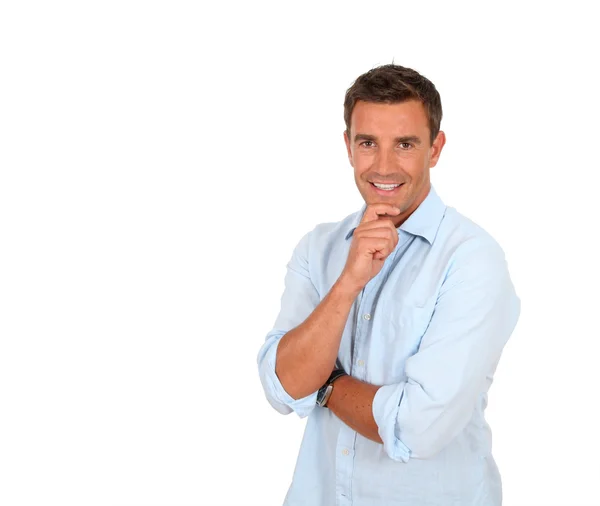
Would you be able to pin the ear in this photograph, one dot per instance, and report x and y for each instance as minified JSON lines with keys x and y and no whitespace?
{"x":348,"y":148}
{"x":436,"y":148}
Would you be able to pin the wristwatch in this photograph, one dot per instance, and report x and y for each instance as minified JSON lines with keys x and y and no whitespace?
{"x":325,"y":391}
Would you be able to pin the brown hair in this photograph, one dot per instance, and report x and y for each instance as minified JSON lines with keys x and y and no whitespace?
{"x":392,"y":84}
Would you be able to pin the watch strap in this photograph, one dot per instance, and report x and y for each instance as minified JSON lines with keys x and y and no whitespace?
{"x":337,"y":373}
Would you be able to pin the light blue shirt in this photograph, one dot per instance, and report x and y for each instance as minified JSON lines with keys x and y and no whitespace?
{"x":430,"y":328}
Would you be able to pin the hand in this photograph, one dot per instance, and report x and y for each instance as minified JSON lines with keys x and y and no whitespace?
{"x":373,"y":240}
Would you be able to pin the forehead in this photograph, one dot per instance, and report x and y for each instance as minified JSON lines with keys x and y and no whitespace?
{"x":399,"y":118}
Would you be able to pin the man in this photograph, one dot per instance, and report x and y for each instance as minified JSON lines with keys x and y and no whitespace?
{"x":392,"y":323}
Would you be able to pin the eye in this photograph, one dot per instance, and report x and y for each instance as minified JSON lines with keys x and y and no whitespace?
{"x":367,"y":144}
{"x":405,"y":145}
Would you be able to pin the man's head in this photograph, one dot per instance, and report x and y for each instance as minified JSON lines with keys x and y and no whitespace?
{"x":393,"y":135}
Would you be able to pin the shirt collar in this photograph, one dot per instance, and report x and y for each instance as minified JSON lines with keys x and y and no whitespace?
{"x":424,"y":221}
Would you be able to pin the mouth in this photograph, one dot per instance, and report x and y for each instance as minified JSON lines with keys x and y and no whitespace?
{"x":388,"y":190}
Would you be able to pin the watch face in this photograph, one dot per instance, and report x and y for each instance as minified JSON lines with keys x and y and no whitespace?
{"x":320,"y":395}
{"x":324,"y":394}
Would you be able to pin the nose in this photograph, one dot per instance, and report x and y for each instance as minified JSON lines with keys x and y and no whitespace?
{"x":385,"y":164}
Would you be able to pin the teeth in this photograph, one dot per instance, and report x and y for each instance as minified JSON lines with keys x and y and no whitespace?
{"x":386,"y":186}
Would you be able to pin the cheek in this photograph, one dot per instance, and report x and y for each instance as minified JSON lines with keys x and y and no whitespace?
{"x":361,"y":163}
{"x":415,"y":165}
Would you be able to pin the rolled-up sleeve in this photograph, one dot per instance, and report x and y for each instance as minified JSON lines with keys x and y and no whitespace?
{"x":299,"y":299}
{"x":476,"y":311}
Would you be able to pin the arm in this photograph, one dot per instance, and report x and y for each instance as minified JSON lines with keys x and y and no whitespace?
{"x":306,"y":355}
{"x":300,"y":352}
{"x":475,"y":314}
{"x":351,"y":401}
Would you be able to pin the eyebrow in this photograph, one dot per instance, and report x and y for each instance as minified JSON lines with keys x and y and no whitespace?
{"x":406,"y":138}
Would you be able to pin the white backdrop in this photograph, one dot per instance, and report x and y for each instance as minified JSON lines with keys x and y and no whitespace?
{"x":160,"y":160}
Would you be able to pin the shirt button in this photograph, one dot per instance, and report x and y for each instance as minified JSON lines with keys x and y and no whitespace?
{"x":361,"y":363}
{"x":345,"y":452}
{"x":367,"y":316}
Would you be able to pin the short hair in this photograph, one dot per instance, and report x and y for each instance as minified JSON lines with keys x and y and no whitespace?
{"x":394,"y":84}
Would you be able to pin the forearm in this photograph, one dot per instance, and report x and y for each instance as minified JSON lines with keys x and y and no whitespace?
{"x":351,"y":401}
{"x":306,"y":355}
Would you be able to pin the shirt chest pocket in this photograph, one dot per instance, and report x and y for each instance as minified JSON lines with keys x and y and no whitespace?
{"x":403,"y":324}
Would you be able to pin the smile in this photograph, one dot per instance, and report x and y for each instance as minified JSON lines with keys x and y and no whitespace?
{"x":386,"y":189}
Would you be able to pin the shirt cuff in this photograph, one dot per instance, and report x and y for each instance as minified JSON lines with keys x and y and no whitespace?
{"x":385,"y":411}
{"x":303,"y":406}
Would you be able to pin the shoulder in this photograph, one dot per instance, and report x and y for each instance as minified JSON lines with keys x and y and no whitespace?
{"x":463,"y":236}
{"x":471,"y":254}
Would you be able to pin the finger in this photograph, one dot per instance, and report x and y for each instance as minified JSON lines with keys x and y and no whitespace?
{"x":373,"y":225}
{"x":374,"y":211}
{"x":383,"y":232}
{"x":374,"y":245}
{"x":387,"y":233}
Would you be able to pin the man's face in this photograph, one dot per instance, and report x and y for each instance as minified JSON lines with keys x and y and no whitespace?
{"x":390,"y":143}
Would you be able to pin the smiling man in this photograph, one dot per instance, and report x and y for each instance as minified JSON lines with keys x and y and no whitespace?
{"x":392,"y":323}
{"x":391,"y":153}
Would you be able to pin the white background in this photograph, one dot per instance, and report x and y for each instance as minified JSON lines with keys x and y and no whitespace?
{"x":160,"y":160}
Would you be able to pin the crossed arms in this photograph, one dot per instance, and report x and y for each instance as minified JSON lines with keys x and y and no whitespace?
{"x":475,"y":313}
